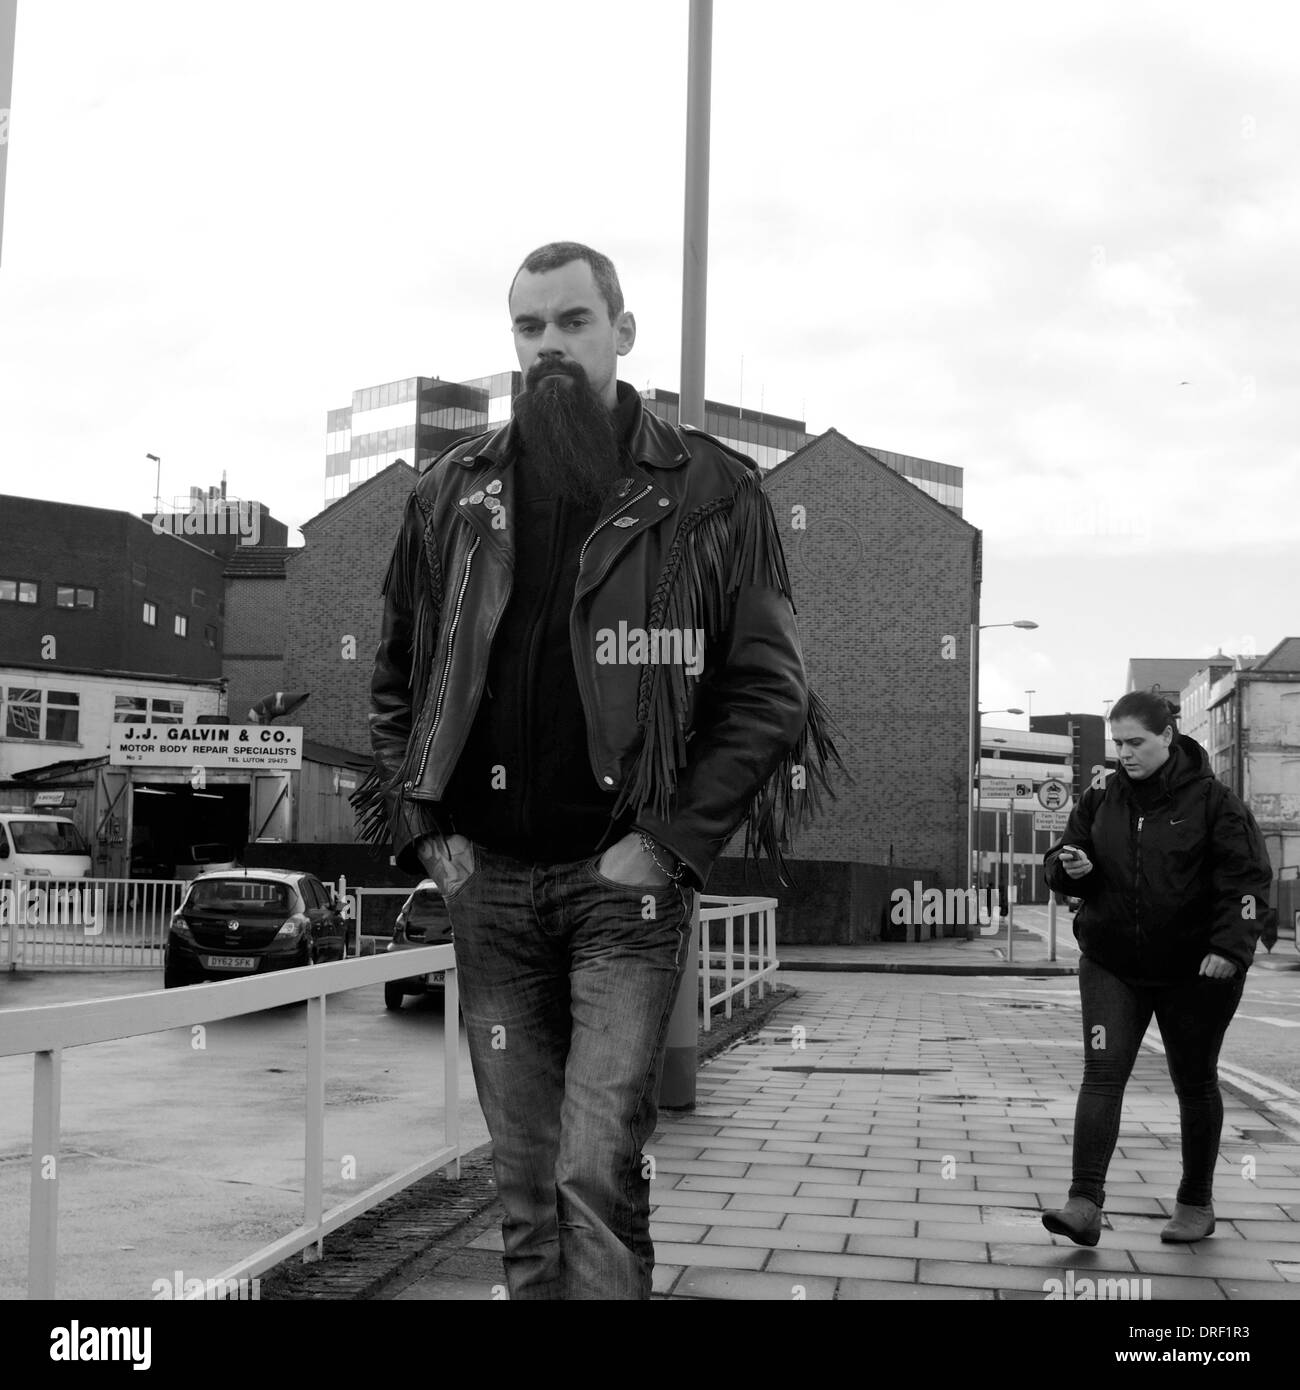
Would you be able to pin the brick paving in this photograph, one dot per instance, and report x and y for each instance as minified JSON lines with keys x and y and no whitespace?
{"x":902,"y":1145}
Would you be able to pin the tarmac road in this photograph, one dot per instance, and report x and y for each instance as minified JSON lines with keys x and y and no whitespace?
{"x":185,"y":1157}
{"x":1261,"y":1052}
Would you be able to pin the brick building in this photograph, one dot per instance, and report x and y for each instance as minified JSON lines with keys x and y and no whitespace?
{"x":1254,"y":745}
{"x":333,"y":608}
{"x":886,"y":584}
{"x":109,"y":592}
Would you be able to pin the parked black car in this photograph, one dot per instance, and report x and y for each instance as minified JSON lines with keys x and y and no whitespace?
{"x":251,"y":921}
{"x":422,"y":921}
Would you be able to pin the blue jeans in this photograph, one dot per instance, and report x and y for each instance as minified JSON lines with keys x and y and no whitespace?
{"x":567,"y":981}
{"x":1193,"y":1015}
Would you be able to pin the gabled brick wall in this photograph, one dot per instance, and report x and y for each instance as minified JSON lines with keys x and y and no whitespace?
{"x":332,"y":593}
{"x":882,"y":574}
{"x":255,"y":637}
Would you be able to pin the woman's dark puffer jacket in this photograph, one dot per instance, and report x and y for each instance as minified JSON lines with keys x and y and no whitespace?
{"x":1188,"y":876}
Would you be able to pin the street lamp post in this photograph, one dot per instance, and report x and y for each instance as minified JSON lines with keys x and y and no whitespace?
{"x":677,"y":1087}
{"x":979,"y":849}
{"x":972,"y":814}
{"x":157,"y":483}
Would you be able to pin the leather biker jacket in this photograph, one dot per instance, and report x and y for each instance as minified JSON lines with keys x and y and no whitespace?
{"x":687,"y":542}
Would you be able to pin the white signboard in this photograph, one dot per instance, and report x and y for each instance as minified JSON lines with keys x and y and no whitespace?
{"x":999,"y":788}
{"x":1054,"y":795}
{"x":1055,"y":821}
{"x":253,"y":747}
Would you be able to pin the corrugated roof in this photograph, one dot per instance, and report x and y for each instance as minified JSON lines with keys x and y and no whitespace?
{"x":336,"y":757}
{"x":258,"y":561}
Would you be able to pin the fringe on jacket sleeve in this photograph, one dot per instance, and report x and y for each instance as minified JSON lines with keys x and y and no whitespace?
{"x":413,"y":585}
{"x":727,"y":543}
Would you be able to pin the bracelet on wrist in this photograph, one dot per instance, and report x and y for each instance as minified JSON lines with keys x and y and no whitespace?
{"x":652,"y":847}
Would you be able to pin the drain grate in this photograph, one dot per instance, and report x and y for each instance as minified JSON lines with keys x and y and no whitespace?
{"x":867,"y":1071}
{"x":986,"y":1099}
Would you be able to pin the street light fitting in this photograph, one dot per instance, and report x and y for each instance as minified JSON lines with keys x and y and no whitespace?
{"x":1019,"y":622}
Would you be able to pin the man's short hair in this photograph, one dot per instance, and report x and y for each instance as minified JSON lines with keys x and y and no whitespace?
{"x":557,"y":253}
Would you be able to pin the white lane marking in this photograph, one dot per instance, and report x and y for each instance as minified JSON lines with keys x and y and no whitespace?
{"x":1276,"y":1022}
{"x":1278,"y":1087}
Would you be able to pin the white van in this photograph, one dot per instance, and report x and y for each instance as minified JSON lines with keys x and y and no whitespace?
{"x":41,"y":846}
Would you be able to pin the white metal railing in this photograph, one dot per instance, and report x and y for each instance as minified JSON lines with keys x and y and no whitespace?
{"x":96,"y":923}
{"x":743,"y":971}
{"x":46,"y":1032}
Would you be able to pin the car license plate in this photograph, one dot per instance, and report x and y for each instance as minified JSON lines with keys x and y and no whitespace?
{"x":230,"y":962}
{"x":435,"y":977}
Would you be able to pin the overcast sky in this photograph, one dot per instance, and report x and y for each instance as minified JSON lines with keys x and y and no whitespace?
{"x":1056,"y":248}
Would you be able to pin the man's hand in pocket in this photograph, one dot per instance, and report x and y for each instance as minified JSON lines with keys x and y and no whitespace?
{"x":627,"y":862}
{"x":448,"y":861}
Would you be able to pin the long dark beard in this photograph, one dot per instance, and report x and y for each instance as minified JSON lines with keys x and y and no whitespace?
{"x":568,"y":433}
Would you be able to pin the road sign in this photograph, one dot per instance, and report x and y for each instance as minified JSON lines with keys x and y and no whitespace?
{"x":995,"y":788}
{"x":1055,"y":821}
{"x":1054,"y":794}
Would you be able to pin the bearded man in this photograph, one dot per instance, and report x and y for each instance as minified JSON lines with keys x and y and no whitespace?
{"x":569,"y":793}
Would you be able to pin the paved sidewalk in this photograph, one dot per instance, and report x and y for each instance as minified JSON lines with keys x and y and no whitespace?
{"x":897,"y":1138}
{"x":985,"y":953}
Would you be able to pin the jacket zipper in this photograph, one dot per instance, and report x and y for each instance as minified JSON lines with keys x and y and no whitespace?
{"x":582,"y":671}
{"x":631,"y":502}
{"x":446,"y":669}
{"x":1137,"y":883}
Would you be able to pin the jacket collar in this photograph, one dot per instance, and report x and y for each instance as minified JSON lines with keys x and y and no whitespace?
{"x":654,"y":442}
{"x":1187,"y":762}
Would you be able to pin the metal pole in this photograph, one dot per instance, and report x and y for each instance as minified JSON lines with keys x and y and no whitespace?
{"x":972,"y":817}
{"x":313,"y":1185}
{"x":43,"y":1229}
{"x":8,"y":26}
{"x":695,"y":239}
{"x":1051,"y":925}
{"x":677,"y":1085}
{"x":1011,"y":878}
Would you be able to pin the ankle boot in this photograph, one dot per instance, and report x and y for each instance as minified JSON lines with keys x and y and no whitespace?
{"x":1188,"y":1224}
{"x":1079,"y":1218}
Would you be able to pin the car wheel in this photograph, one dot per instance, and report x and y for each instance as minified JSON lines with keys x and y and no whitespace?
{"x":393,"y":995}
{"x":171,"y":980}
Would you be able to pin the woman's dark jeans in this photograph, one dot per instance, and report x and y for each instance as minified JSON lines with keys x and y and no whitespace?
{"x":1193,"y":1016}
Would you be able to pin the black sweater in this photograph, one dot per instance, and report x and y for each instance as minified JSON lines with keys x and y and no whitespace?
{"x":523,"y":785}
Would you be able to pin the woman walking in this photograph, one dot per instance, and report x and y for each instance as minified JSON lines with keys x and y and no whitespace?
{"x":1174,"y":880}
